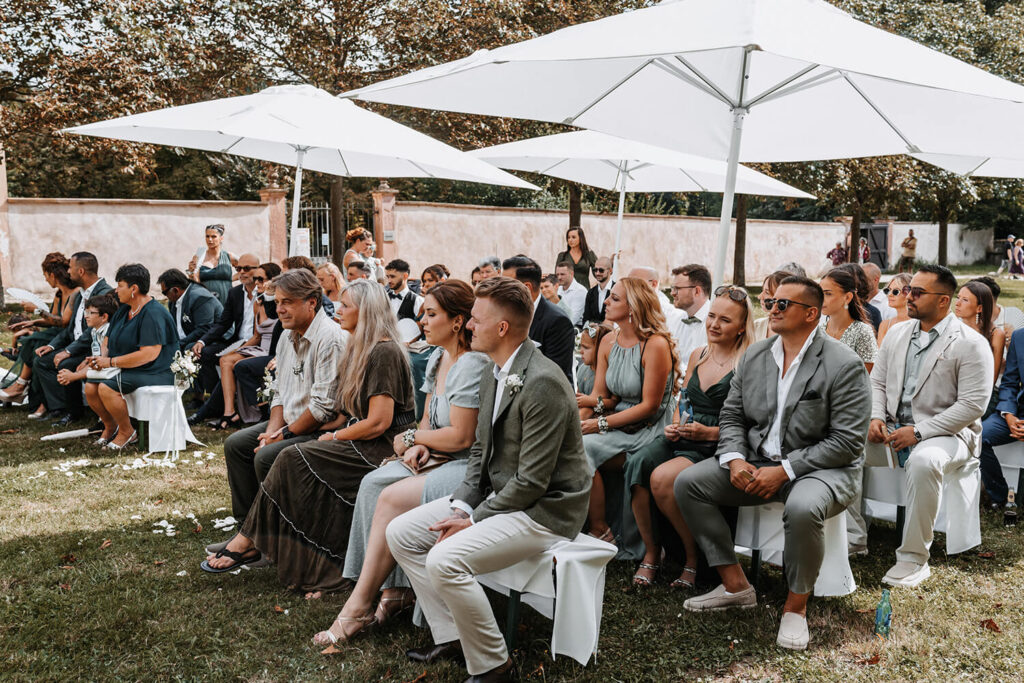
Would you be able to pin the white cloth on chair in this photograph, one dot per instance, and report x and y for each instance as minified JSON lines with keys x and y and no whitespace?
{"x":161,"y":407}
{"x":760,"y":527}
{"x":574,"y":573}
{"x":1011,"y":460}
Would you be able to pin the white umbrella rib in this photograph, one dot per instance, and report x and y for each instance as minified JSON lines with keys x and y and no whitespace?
{"x":341,"y":157}
{"x":781,"y":90}
{"x":568,"y":121}
{"x":554,"y":165}
{"x":698,"y":83}
{"x":227,"y":149}
{"x":706,"y":80}
{"x":911,"y":147}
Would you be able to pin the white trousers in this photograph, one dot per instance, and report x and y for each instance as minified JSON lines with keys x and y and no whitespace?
{"x":444,"y":574}
{"x":928,"y":463}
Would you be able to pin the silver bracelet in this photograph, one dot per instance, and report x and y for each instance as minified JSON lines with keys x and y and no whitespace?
{"x":602,"y":424}
{"x":409,"y":438}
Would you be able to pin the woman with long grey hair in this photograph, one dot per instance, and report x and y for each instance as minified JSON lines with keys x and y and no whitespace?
{"x":302,"y":515}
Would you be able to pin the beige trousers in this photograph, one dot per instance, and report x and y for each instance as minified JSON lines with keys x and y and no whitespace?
{"x":928,"y":463}
{"x":443,"y":574}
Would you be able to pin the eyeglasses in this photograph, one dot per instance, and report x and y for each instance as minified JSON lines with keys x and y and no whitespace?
{"x":782,"y":304}
{"x":257,"y":278}
{"x":245,"y":269}
{"x":917,"y":292}
{"x":735,"y":293}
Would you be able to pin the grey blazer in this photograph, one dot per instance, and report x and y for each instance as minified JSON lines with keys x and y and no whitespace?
{"x":532,"y":458}
{"x":825,"y":420}
{"x":954,"y":385}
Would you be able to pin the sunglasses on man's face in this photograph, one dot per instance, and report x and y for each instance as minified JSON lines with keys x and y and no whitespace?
{"x":916,"y":292}
{"x":245,"y":269}
{"x":782,"y":304}
{"x":735,"y":293}
{"x":599,"y":270}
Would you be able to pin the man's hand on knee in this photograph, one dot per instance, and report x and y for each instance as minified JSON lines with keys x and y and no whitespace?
{"x":1015,"y":425}
{"x":767,"y":481}
{"x":741,"y":473}
{"x":902,"y":438}
{"x":452,"y":525}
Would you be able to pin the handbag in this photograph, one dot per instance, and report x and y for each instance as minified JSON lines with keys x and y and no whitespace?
{"x":105,"y":373}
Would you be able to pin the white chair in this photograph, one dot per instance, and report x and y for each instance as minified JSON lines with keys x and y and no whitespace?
{"x":1011,"y":460}
{"x":885,"y":498}
{"x":161,"y":410}
{"x":760,"y":536}
{"x":565,"y":584}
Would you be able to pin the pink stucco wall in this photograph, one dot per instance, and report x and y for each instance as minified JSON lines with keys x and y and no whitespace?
{"x":160,"y":234}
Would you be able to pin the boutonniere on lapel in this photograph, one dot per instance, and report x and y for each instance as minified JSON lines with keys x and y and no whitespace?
{"x":513,"y":383}
{"x":186,"y":319}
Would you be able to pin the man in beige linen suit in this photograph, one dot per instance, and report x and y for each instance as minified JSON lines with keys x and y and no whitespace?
{"x":793,"y":430}
{"x":931,"y":383}
{"x":527,"y":487}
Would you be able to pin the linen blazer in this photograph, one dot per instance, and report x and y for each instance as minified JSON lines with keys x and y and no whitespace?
{"x":553,"y":331}
{"x":65,"y":339}
{"x":532,"y":457}
{"x":1011,"y":389}
{"x":199,"y":311}
{"x":954,"y":385}
{"x":824,"y":421}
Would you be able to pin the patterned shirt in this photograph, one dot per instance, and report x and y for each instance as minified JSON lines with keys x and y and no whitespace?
{"x":307,"y":370}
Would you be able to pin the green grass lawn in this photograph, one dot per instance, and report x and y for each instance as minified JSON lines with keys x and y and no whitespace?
{"x":75,"y":607}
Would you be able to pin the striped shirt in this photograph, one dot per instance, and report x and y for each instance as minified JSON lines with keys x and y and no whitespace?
{"x":307,"y":370}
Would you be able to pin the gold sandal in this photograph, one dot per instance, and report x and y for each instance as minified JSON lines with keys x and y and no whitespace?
{"x":383,"y":613}
{"x":328,"y":638}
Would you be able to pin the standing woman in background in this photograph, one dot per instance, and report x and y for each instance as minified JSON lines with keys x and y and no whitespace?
{"x":1017,"y":259}
{"x":214,"y":271}
{"x":577,"y":251}
{"x":357,"y":237}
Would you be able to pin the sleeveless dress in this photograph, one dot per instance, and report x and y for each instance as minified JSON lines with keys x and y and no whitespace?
{"x":704,"y":407}
{"x":462,"y":390}
{"x":266,"y":331}
{"x":584,"y":379}
{"x":218,"y":278}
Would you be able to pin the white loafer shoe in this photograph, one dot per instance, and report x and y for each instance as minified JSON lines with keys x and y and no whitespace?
{"x":907,"y":574}
{"x":793,"y":634}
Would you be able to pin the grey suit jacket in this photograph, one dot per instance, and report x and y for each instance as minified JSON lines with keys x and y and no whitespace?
{"x":532,"y":458}
{"x":954,"y":385}
{"x":825,"y":419}
{"x":65,"y":339}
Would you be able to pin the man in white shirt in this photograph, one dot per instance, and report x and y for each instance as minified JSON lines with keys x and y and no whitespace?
{"x":793,"y":430}
{"x":876,"y":297}
{"x":405,"y":303}
{"x":572,"y":292}
{"x":691,"y":291}
{"x":593,"y":310}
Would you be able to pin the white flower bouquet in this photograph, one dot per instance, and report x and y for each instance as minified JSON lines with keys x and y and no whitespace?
{"x":265,"y":394}
{"x":185,"y":368}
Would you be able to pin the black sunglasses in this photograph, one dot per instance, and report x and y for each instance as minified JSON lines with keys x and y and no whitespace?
{"x":257,"y":278}
{"x":599,"y":270}
{"x":916,"y":292}
{"x":782,"y":304}
{"x":245,"y":269}
{"x":735,"y":293}
{"x":892,"y":291}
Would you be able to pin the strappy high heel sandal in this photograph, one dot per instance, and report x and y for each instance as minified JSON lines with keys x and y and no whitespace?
{"x":232,"y":420}
{"x":641,"y":581}
{"x":101,"y":442}
{"x":384,"y":613}
{"x":16,"y":397}
{"x":685,"y":584}
{"x":607,"y":536}
{"x":133,"y":439}
{"x":326,"y":638}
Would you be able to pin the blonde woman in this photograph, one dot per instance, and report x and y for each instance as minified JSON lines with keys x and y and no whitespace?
{"x":693,"y":434}
{"x":897,"y":302}
{"x":302,"y":514}
{"x":638,"y":365}
{"x":331,"y":281}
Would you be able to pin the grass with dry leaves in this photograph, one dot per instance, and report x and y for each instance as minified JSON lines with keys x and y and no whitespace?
{"x":93,"y":587}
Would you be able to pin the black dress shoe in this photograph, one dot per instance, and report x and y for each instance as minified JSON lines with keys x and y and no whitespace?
{"x":194,"y":419}
{"x":65,"y":421}
{"x":54,"y":414}
{"x":502,"y":674}
{"x":451,"y":651}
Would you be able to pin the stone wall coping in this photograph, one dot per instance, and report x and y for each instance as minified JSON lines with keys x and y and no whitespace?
{"x":130,"y":202}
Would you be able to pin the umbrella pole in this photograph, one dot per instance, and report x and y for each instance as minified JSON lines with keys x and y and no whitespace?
{"x":730,"y":193}
{"x":293,"y":242}
{"x":618,"y":227}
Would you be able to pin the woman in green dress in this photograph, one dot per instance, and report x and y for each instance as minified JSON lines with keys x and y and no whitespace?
{"x":577,"y":251}
{"x":216,"y":269}
{"x":693,"y":434}
{"x":141,"y":342}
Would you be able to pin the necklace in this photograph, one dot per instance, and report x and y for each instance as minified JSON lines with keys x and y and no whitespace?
{"x":132,"y":312}
{"x":711,"y":355}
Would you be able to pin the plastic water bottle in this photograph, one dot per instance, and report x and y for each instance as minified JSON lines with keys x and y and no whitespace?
{"x":1010,"y":511}
{"x":883,"y":616}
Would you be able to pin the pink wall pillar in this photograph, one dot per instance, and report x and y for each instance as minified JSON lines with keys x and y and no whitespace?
{"x":275,"y":199}
{"x":5,"y":225}
{"x":384,"y":220}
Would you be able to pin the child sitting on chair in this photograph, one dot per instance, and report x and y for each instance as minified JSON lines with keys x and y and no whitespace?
{"x":98,"y":310}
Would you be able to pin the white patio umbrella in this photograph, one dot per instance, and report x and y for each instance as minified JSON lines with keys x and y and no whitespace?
{"x":614,"y":163}
{"x":305,"y":127}
{"x":740,"y":80}
{"x":973,"y":166}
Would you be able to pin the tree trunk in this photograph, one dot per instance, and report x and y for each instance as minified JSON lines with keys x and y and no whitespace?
{"x":338,"y":222}
{"x":575,"y":205}
{"x":851,"y":257}
{"x":943,"y":239}
{"x":739,"y":257}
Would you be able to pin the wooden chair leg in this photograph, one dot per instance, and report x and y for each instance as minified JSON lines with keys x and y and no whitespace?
{"x":512,"y":618}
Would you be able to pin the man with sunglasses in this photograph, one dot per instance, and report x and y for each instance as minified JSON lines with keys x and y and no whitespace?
{"x":931,"y":383}
{"x":593,"y":307}
{"x":234,"y":323}
{"x":194,"y":308}
{"x":793,"y":430}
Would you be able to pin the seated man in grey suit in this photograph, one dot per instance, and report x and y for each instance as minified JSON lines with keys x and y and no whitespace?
{"x":194,"y":308}
{"x":931,"y":383}
{"x":526,"y":488}
{"x":792,"y":429}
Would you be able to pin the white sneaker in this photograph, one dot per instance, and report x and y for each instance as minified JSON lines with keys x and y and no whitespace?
{"x":717,"y":600}
{"x":793,"y":634}
{"x":907,"y":574}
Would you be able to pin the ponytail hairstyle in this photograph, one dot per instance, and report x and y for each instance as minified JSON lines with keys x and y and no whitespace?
{"x":847,"y":282}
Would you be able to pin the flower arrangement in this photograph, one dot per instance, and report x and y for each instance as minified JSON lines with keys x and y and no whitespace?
{"x":514,"y":384}
{"x":185,"y":369}
{"x":265,"y":394}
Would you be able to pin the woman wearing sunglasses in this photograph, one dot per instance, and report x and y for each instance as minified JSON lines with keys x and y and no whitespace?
{"x":844,"y":316}
{"x":693,"y":434}
{"x":212,"y":266}
{"x":897,"y":302}
{"x":768,"y":287}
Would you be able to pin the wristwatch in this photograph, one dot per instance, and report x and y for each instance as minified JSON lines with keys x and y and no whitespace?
{"x":286,"y":433}
{"x":917,"y":435}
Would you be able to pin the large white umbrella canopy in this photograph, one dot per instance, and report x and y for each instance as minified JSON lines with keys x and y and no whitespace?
{"x":741,"y":80}
{"x":974,"y":166}
{"x":305,"y":127}
{"x":614,"y":163}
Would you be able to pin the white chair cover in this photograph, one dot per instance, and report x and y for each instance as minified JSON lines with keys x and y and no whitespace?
{"x":168,"y":426}
{"x":1011,"y":460}
{"x":574,"y":572}
{"x":759,"y":527}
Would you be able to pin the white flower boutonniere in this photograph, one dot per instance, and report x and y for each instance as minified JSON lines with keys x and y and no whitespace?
{"x":514,"y":383}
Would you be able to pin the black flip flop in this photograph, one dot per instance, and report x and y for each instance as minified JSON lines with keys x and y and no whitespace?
{"x":241,"y":560}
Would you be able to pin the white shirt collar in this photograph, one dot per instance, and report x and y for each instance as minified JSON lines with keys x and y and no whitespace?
{"x":703,"y":311}
{"x":780,"y":355}
{"x":502,"y":372}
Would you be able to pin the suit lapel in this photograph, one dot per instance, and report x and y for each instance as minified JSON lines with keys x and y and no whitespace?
{"x":771,"y":384}
{"x":804,"y":371}
{"x":936,"y":350}
{"x":526,"y":352}
{"x":487,"y":383}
